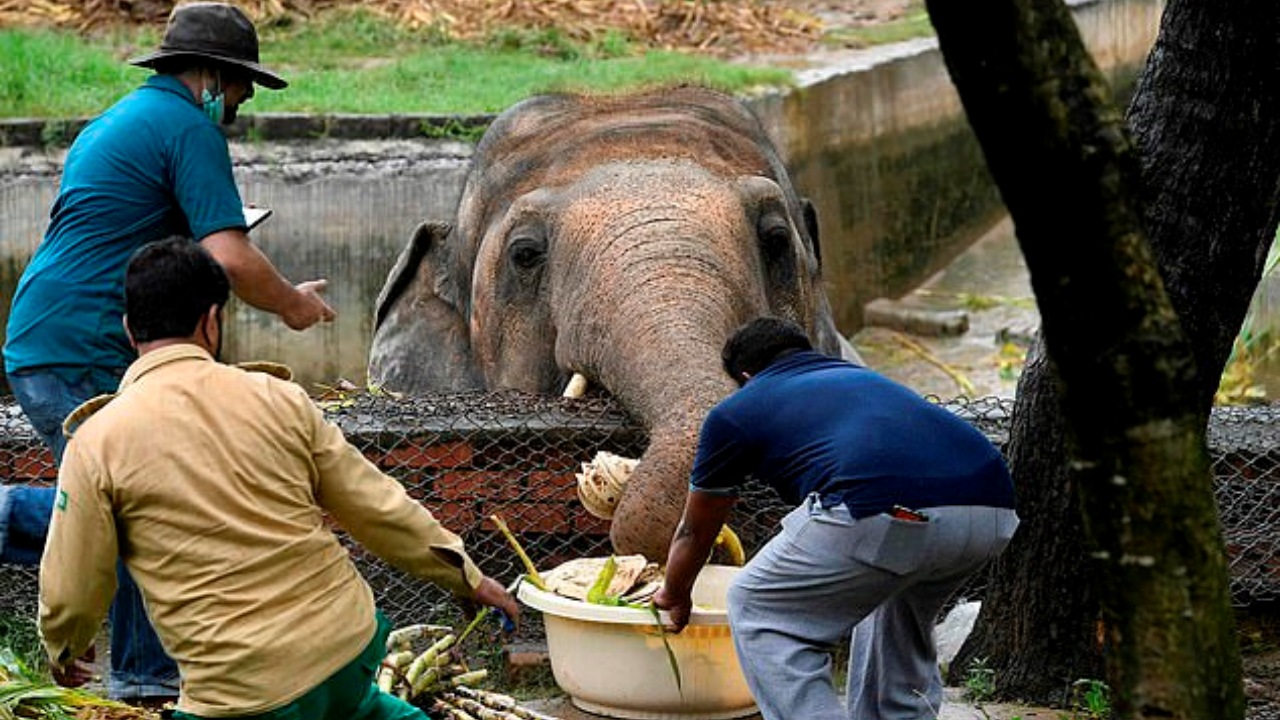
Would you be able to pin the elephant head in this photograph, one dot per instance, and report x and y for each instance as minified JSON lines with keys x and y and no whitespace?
{"x":620,"y":238}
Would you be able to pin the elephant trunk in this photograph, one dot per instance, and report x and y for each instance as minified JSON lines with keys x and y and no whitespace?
{"x":662,"y":363}
{"x":645,"y":305}
{"x":672,"y":411}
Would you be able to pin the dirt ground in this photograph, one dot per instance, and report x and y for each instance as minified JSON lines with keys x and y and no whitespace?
{"x":723,"y":28}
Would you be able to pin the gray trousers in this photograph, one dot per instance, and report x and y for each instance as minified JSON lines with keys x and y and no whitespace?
{"x":823,"y":575}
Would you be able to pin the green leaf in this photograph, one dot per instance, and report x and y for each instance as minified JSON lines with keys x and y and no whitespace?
{"x":597,"y":594}
{"x":671,"y":655}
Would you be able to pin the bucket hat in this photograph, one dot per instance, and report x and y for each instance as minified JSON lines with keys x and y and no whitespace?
{"x":215,"y":31}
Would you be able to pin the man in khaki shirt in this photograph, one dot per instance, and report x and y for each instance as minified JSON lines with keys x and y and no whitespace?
{"x":212,"y":483}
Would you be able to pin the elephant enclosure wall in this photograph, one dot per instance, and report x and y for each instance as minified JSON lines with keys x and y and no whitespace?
{"x":875,"y":138}
{"x":467,"y":457}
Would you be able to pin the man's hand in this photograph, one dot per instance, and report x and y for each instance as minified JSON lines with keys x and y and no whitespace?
{"x":678,"y":608}
{"x":76,"y":672}
{"x":310,"y":308}
{"x":492,"y":594}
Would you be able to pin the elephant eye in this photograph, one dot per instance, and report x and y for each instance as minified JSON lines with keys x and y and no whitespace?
{"x":775,"y":238}
{"x":527,"y":253}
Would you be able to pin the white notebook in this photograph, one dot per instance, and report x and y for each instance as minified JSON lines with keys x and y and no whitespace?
{"x":253,"y":216}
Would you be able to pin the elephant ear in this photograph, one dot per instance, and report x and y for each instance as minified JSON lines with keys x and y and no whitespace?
{"x":420,"y":339}
{"x":828,"y":340}
{"x":811,"y":224}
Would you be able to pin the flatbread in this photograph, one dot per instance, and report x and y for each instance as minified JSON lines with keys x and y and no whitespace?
{"x":574,"y":578}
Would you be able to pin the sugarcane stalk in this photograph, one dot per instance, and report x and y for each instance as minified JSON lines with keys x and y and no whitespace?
{"x":398,"y":660}
{"x":478,"y":709}
{"x":498,"y":701}
{"x":452,"y":711}
{"x":480,"y":616}
{"x":386,"y":679}
{"x":403,"y":638}
{"x":426,"y":660}
{"x":437,"y":678}
{"x":530,"y":570}
{"x":425,"y":681}
{"x":467,"y":678}
{"x":484,"y":613}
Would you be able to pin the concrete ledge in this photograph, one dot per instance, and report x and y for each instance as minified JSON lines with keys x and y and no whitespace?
{"x":914,"y":319}
{"x":42,"y":132}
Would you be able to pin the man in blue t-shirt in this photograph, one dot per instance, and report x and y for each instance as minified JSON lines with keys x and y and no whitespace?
{"x":154,"y":165}
{"x":900,"y":501}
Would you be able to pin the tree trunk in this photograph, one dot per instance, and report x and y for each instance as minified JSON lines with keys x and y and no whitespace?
{"x":1038,"y":629}
{"x":1206,"y":121}
{"x":1134,"y":405}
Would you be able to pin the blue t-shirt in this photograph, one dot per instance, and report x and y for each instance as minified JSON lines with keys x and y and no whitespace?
{"x":810,"y":423}
{"x":151,"y":166}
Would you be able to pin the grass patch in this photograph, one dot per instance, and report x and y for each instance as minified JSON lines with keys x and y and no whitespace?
{"x":354,"y":61}
{"x":914,"y":24}
{"x":56,"y":74}
{"x":18,"y":635}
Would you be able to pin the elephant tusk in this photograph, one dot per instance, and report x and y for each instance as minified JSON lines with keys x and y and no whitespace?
{"x":577,"y":386}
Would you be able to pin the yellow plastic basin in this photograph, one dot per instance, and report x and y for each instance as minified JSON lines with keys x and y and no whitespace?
{"x":611,"y":661}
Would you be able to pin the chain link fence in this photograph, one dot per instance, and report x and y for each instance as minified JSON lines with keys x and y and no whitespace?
{"x":469,"y":457}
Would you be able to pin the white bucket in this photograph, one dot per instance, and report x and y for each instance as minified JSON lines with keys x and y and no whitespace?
{"x":611,"y":661}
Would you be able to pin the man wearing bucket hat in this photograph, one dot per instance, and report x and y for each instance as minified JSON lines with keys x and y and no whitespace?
{"x":153,"y":165}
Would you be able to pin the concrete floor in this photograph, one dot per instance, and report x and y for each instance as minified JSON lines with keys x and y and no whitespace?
{"x":990,"y":287}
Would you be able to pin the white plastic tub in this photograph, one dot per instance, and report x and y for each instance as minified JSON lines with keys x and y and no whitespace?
{"x":611,"y":661}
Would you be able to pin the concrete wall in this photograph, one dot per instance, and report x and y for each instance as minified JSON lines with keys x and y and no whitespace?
{"x":877,"y":139}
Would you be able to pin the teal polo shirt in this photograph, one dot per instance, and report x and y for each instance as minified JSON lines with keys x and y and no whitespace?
{"x":153,"y":165}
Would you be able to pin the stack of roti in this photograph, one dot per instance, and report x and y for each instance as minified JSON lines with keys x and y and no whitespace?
{"x":635,"y":579}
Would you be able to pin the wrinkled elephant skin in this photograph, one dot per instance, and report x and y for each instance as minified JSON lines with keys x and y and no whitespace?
{"x":623,"y":238}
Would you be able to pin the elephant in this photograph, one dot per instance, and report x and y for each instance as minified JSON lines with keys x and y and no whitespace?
{"x":618,"y":237}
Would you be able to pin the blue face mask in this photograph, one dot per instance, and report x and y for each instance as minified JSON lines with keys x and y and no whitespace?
{"x":215,"y":106}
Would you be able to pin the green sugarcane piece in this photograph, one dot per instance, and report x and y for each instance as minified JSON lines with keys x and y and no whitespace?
{"x":530,"y":570}
{"x":425,"y":681}
{"x":433,"y":677}
{"x":403,"y":638}
{"x":467,"y":678}
{"x":416,"y":668}
{"x":484,"y":613}
{"x":480,"y":616}
{"x":427,"y":659}
{"x":390,"y":669}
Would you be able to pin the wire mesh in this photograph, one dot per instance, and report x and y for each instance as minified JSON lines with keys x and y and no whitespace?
{"x":467,"y":457}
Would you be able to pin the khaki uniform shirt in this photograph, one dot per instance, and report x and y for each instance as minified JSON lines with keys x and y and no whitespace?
{"x":213,"y":484}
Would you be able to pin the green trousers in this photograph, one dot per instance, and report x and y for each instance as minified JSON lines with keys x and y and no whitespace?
{"x":349,"y":694}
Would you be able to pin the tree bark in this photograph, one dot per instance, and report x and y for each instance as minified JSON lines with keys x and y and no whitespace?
{"x":1134,"y":405}
{"x":1038,"y":626}
{"x":1206,"y":120}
